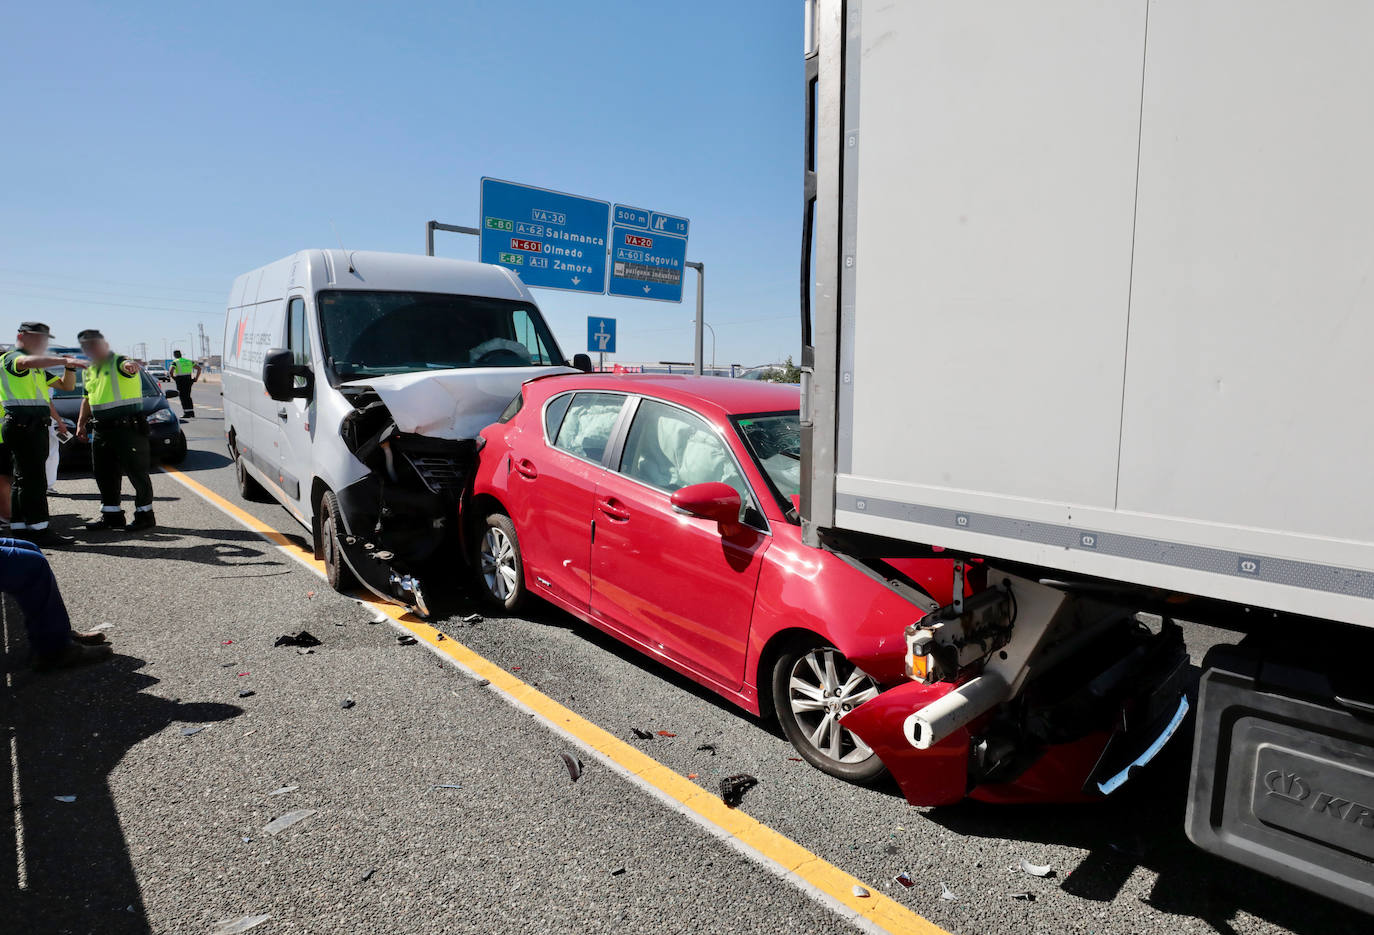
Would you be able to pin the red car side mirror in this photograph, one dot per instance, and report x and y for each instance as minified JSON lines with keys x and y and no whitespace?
{"x":713,"y":501}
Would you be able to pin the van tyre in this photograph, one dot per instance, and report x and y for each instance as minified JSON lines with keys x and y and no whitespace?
{"x":500,"y":567}
{"x":814,"y":685}
{"x":336,"y":570}
{"x":249,"y":489}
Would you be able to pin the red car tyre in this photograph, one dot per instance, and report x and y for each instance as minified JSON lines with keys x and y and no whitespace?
{"x":814,"y":685}
{"x":500,"y":568}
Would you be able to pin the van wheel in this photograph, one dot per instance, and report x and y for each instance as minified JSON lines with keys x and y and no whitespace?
{"x":500,"y":568}
{"x":249,"y":489}
{"x":336,"y":570}
{"x":814,"y":685}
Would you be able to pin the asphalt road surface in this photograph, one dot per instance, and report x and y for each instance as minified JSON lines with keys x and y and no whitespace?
{"x":439,"y":806}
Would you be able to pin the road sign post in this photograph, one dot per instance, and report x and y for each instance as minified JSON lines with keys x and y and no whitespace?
{"x":432,"y":226}
{"x":551,"y":240}
{"x":701,"y":319}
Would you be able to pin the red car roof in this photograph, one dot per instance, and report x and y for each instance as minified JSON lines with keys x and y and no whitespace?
{"x":729,"y":396}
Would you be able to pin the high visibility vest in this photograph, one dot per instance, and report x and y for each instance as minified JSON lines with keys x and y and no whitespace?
{"x":25,"y":392}
{"x":182,"y":366}
{"x":108,"y":387}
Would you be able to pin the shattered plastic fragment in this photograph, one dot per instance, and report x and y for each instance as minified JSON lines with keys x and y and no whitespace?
{"x":692,"y":775}
{"x":242,"y":674}
{"x":946,"y":893}
{"x":666,"y":733}
{"x":235,"y":926}
{"x":473,"y":618}
{"x":226,"y":642}
{"x":283,"y":790}
{"x":732,"y":788}
{"x":1024,"y":897}
{"x":101,"y":626}
{"x":347,"y":703}
{"x":709,"y":748}
{"x":281,"y":823}
{"x":188,"y":731}
{"x":859,"y":891}
{"x":405,"y":639}
{"x":368,"y":875}
{"x":305,"y":652}
{"x":617,"y":871}
{"x":642,"y":734}
{"x":515,"y":668}
{"x":1036,"y":870}
{"x":795,"y":759}
{"x":438,"y":635}
{"x":447,"y":785}
{"x":65,"y":798}
{"x":246,"y":693}
{"x":482,"y":682}
{"x":226,"y":665}
{"x":905,"y":879}
{"x":303,"y":638}
{"x":574,"y":766}
{"x":310,"y":594}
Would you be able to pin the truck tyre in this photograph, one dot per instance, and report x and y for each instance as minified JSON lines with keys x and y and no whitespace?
{"x":500,"y":569}
{"x":336,"y":570}
{"x":814,"y":685}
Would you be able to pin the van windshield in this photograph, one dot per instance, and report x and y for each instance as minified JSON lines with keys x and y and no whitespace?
{"x":374,"y":333}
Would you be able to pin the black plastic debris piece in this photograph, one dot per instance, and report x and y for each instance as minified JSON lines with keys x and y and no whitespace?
{"x":303,"y":638}
{"x":188,"y":731}
{"x":368,"y":875}
{"x":227,"y":665}
{"x":732,"y":788}
{"x":483,"y":682}
{"x":1024,"y":897}
{"x":439,"y":635}
{"x":405,"y":639}
{"x":574,"y":766}
{"x":347,"y":703}
{"x":708,"y":748}
{"x":642,"y":734}
{"x":617,"y":871}
{"x":246,"y":693}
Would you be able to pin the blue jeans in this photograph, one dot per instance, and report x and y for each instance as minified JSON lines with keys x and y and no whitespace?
{"x":25,"y":575}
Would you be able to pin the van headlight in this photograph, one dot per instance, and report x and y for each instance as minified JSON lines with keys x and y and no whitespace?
{"x":161,"y":415}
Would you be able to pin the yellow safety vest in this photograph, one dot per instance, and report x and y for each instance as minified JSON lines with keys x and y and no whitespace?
{"x":182,"y":366}
{"x":22,"y":393}
{"x":108,"y":387}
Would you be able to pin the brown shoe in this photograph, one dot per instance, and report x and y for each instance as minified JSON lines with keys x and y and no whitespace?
{"x":89,"y":639}
{"x":73,"y":654}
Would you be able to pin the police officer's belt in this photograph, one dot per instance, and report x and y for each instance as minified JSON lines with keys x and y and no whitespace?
{"x":132,"y":421}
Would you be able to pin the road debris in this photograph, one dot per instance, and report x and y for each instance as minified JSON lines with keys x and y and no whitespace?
{"x":946,"y":893}
{"x":692,"y":775}
{"x":574,"y":766}
{"x":246,"y":693}
{"x":905,"y":879}
{"x":227,"y":665}
{"x":226,"y":642}
{"x":665,"y":733}
{"x":101,"y":626}
{"x":283,"y":790}
{"x":732,"y":788}
{"x":235,"y":926}
{"x":515,"y":668}
{"x":473,"y":618}
{"x":446,"y":785}
{"x":796,"y":759}
{"x":367,"y":875}
{"x":188,"y":731}
{"x":1024,"y":897}
{"x":65,"y":798}
{"x":642,"y":734}
{"x":439,"y":635}
{"x":310,"y":595}
{"x":281,"y":823}
{"x":708,"y":748}
{"x":242,"y":674}
{"x":305,"y":652}
{"x":347,"y":703}
{"x":617,"y":871}
{"x":405,"y":639}
{"x":481,"y":683}
{"x":1036,"y":870}
{"x":375,"y":614}
{"x":859,"y":891}
{"x":303,"y":638}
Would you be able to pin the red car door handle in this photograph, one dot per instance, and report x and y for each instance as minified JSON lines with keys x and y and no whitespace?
{"x":612,"y":508}
{"x":526,"y":468}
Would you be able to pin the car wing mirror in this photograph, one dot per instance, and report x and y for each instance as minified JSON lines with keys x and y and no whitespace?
{"x":712,"y":500}
{"x":582,"y":362}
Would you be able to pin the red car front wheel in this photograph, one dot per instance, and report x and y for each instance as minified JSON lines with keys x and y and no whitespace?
{"x":814,"y":685}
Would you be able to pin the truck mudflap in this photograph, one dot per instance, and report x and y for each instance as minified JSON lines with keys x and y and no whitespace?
{"x":1283,"y":770}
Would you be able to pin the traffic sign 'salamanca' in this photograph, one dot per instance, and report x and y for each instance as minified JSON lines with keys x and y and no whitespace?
{"x":551,"y":239}
{"x":648,"y":254}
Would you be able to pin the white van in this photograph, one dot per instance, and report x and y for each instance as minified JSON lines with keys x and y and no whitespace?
{"x":355,"y":385}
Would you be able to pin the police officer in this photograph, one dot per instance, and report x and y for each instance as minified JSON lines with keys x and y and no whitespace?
{"x":24,"y":393}
{"x":114,"y":407}
{"x":185,"y":372}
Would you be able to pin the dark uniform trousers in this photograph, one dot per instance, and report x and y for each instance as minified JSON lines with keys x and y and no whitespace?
{"x":27,"y":438}
{"x":119,"y":448}
{"x":184,"y":383}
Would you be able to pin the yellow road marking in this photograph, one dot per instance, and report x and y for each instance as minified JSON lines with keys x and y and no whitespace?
{"x":874,"y":912}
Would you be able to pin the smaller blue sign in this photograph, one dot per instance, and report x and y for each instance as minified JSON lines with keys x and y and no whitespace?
{"x":631,"y":217}
{"x":648,"y":254}
{"x":667,"y":224}
{"x":601,"y":335}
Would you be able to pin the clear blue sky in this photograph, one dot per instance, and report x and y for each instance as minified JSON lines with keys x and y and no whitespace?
{"x":153,"y":151}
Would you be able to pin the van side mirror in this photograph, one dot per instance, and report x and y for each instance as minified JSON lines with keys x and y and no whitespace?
{"x":279,"y":372}
{"x":582,"y":362}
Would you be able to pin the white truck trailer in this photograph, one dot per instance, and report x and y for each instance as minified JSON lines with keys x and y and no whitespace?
{"x":1088,"y":300}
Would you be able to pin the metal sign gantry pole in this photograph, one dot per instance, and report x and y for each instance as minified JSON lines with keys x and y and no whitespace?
{"x":432,"y":226}
{"x":701,"y":321}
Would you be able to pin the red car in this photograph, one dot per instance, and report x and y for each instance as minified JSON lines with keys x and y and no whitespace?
{"x":661,"y":510}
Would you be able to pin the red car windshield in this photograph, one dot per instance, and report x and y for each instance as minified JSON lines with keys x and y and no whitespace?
{"x":774,"y":441}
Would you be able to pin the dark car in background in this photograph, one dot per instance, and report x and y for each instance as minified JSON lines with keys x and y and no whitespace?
{"x":166,"y":440}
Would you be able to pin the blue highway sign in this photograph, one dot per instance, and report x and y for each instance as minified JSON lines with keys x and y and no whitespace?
{"x":648,"y":254}
{"x":601,"y":335}
{"x":550,"y":239}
